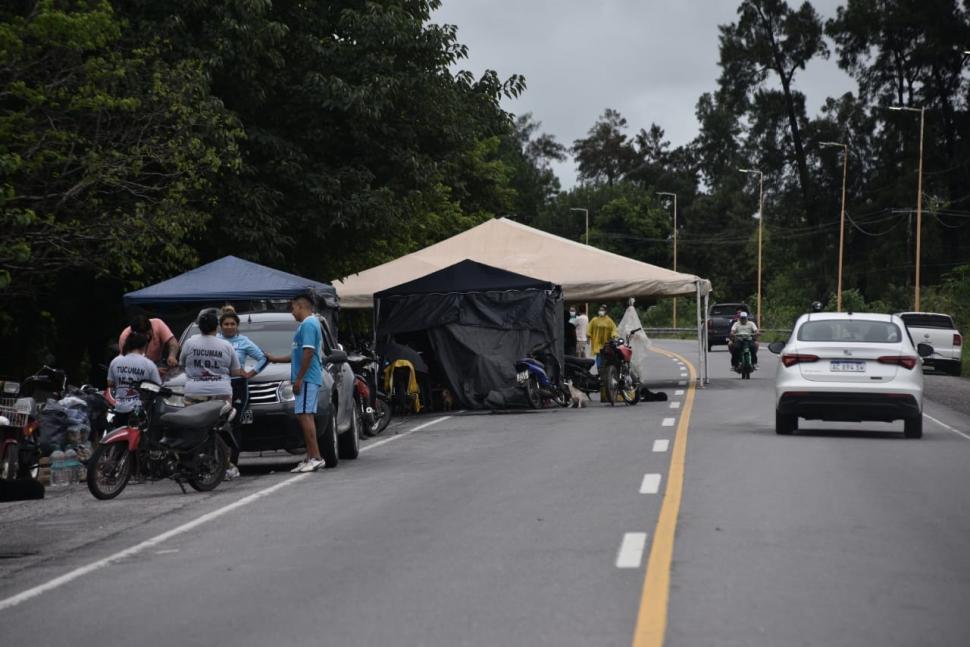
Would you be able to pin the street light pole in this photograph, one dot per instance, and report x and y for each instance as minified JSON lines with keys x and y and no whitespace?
{"x":761,"y":223}
{"x":586,"y":213}
{"x":845,"y":168}
{"x":667,"y":193}
{"x":919,"y":199}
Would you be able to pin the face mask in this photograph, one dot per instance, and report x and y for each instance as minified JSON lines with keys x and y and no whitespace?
{"x":602,"y":312}
{"x":572,"y":313}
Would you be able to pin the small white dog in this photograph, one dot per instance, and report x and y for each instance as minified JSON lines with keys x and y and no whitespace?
{"x":577,"y":399}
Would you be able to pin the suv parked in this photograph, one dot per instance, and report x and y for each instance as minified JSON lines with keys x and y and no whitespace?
{"x":268,"y":423}
{"x":720,"y":317}
{"x":938,"y":331}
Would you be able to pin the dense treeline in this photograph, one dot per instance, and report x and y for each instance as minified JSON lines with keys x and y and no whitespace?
{"x":141,"y":137}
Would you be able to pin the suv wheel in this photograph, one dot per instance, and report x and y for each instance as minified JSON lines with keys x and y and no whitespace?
{"x":349,"y":441}
{"x":913,"y":427}
{"x":784,"y":424}
{"x":327,"y":438}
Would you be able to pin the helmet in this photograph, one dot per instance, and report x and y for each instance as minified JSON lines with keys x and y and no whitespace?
{"x":742,"y":315}
{"x":817,"y":306}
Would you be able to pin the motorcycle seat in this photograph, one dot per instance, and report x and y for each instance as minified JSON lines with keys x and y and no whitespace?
{"x":585,"y":362}
{"x":203,"y":414}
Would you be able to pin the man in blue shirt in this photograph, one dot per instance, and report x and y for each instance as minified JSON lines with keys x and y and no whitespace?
{"x":306,"y":373}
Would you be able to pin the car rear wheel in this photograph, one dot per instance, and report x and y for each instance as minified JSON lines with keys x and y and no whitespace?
{"x":785,"y":424}
{"x":327,"y":437}
{"x":348,"y":443}
{"x":913,"y":427}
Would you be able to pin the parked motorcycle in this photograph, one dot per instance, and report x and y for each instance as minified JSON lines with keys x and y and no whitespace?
{"x":375,"y":410}
{"x":617,"y":376}
{"x":21,"y":407}
{"x":188,"y":446}
{"x":541,"y":377}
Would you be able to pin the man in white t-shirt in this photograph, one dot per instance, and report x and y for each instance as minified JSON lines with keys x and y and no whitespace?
{"x":582,"y":330}
{"x":743,"y":329}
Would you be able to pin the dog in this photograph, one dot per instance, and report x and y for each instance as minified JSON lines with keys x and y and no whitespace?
{"x":447,"y":400}
{"x":577,"y":399}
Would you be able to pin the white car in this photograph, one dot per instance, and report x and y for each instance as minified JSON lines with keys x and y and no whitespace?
{"x":850,"y":368}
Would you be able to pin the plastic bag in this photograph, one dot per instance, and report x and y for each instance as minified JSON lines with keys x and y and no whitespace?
{"x":631,"y":330}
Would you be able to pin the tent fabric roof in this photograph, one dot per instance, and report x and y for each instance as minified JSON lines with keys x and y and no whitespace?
{"x":228,"y":278}
{"x":466,"y":276}
{"x":585,"y":273}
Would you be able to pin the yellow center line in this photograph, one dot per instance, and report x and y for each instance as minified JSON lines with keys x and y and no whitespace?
{"x":652,"y":618}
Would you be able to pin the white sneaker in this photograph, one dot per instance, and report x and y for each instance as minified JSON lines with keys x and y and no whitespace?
{"x":232,"y":472}
{"x":299,"y":467}
{"x":313,"y":465}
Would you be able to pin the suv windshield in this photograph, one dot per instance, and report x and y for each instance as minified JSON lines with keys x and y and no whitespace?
{"x":841,"y":330}
{"x":727,"y":310}
{"x":273,"y":337}
{"x":927,"y":321}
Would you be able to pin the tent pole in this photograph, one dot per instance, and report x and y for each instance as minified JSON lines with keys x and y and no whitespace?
{"x":707,"y":379}
{"x":700,"y":337}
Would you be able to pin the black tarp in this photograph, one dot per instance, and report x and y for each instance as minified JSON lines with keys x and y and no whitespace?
{"x":246,"y":285}
{"x":479,"y":320}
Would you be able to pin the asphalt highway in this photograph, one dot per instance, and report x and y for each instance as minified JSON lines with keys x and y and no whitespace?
{"x":684,"y":522}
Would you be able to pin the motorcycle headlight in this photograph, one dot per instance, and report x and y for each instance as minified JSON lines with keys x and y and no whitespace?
{"x":177,"y":399}
{"x":285,"y":391}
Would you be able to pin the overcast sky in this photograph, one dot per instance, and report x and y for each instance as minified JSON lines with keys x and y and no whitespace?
{"x":649,"y":59}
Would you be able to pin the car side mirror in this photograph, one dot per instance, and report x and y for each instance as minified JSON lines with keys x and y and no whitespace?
{"x":776,"y":347}
{"x":337,"y":357}
{"x":924,"y":350}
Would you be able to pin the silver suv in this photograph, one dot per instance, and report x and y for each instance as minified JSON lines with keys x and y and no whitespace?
{"x":268,"y":422}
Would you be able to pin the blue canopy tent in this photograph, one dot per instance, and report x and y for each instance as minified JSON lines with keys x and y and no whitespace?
{"x":246,"y":285}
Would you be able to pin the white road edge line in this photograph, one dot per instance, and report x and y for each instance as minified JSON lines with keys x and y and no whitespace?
{"x":661,"y":445}
{"x":946,"y":426}
{"x":174,"y":532}
{"x":651,"y":484}
{"x":630,"y":554}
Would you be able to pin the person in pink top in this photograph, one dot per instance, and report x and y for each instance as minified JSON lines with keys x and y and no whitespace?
{"x":161,"y":341}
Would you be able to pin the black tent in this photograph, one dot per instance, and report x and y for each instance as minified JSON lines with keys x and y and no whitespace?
{"x":479,"y":320}
{"x":247,"y":285}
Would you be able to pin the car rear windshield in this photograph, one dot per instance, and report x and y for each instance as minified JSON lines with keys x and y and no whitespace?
{"x":927,"y":321}
{"x":841,"y":330}
{"x":273,"y":337}
{"x":727,"y":310}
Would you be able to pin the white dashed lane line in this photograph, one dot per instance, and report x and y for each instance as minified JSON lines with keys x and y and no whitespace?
{"x":630,"y":554}
{"x":675,"y":404}
{"x":661,"y":445}
{"x":679,"y":392}
{"x":651,"y":483}
{"x":669,"y":422}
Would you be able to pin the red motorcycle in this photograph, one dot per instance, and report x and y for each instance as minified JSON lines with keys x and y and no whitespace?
{"x":188,"y":446}
{"x":618,"y":380}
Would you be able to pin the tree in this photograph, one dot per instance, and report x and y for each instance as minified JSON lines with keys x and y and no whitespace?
{"x":606,"y":154}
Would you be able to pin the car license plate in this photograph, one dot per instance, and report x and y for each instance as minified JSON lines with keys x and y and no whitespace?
{"x":522,"y":376}
{"x":848,"y":366}
{"x":247,"y":417}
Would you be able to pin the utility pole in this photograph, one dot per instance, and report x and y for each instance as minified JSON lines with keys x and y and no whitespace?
{"x":845,"y":168}
{"x":761,"y":222}
{"x":675,"y":246}
{"x":919,"y":199}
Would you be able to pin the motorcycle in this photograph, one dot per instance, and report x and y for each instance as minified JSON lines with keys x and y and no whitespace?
{"x":539,"y":383}
{"x":375,"y":411}
{"x":21,"y":407}
{"x":746,"y":362}
{"x":194,"y":448}
{"x":618,"y":377}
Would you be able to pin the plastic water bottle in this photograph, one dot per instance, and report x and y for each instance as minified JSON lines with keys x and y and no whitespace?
{"x":58,"y":470}
{"x":72,"y":466}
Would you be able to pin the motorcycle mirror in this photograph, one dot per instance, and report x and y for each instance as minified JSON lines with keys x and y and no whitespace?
{"x":776,"y":347}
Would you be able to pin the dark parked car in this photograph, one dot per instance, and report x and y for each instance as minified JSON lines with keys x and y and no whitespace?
{"x":719,"y":320}
{"x":268,"y":423}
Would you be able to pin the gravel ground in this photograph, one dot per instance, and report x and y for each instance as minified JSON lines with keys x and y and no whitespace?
{"x":953,"y":392}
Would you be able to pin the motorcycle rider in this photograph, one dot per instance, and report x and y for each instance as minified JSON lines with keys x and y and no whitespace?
{"x":743,"y":328}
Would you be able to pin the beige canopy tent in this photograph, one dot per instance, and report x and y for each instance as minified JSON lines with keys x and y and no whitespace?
{"x":585,"y":273}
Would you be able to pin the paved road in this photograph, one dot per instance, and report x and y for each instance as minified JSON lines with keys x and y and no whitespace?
{"x":528,"y":529}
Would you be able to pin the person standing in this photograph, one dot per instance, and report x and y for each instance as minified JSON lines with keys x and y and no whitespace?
{"x":601,"y":329}
{"x":306,"y":374}
{"x":161,"y":342}
{"x":582,"y":333}
{"x":569,"y":337}
{"x":125,"y":373}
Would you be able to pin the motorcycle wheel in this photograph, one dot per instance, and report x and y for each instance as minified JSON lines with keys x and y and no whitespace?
{"x":212,"y":467}
{"x":563,"y":396}
{"x":10,"y":462}
{"x":382,"y":415}
{"x":628,"y":390}
{"x":109,"y":469}
{"x":532,"y":393}
{"x":611,"y":383}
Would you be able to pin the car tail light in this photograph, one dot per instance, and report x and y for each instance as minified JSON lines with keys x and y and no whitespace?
{"x":957,"y":339}
{"x":798,"y":358}
{"x":906,"y":361}
{"x":710,"y":324}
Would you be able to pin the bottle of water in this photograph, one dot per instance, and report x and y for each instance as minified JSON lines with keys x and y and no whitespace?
{"x":58,"y":470}
{"x":72,"y":466}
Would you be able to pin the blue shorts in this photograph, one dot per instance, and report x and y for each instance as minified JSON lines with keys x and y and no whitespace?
{"x":306,"y":399}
